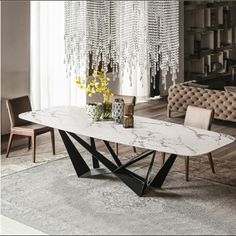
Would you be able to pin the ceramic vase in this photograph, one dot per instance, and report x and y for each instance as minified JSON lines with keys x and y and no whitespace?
{"x":118,"y":110}
{"x":94,"y":110}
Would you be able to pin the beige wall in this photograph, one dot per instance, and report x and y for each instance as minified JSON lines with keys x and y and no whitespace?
{"x":15,"y":54}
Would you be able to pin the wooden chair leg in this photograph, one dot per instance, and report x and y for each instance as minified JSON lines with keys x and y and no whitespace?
{"x":33,"y":140}
{"x":168,"y":112}
{"x":134,"y":149}
{"x":29,"y":143}
{"x":211,"y":162}
{"x":53,"y":141}
{"x":116,"y":148}
{"x":186,"y":168}
{"x":9,"y":143}
{"x":163,"y":155}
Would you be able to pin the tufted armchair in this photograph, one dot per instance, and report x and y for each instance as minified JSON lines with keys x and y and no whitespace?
{"x":222,"y":102}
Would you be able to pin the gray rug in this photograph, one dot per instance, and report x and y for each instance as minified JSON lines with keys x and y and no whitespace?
{"x":53,"y":200}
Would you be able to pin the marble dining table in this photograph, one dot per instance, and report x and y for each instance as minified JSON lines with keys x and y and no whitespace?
{"x":150,"y":134}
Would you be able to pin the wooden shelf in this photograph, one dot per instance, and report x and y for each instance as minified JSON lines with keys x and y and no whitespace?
{"x":210,"y":52}
{"x":210,"y":37}
{"x":193,"y":6}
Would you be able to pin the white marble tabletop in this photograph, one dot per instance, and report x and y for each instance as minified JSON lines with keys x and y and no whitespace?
{"x":147,"y":133}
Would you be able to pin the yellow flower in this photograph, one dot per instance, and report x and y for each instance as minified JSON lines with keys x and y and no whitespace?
{"x":98,"y":84}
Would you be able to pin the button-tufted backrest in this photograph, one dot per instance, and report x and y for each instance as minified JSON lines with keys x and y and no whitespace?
{"x":222,"y":102}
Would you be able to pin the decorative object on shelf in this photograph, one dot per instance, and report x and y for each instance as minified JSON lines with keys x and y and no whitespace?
{"x":226,"y":17}
{"x":128,"y":121}
{"x":98,"y":84}
{"x":127,"y":36}
{"x":118,"y":110}
{"x":94,"y":110}
{"x":197,"y":47}
{"x":233,"y":70}
{"x":210,"y":38}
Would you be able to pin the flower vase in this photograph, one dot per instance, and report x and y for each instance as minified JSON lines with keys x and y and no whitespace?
{"x":118,"y":110}
{"x":107,"y":109}
{"x":94,"y":110}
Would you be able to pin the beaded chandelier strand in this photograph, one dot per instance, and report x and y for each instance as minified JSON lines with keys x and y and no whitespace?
{"x":141,"y":34}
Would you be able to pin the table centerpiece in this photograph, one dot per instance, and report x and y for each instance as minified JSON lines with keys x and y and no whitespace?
{"x":98,"y":83}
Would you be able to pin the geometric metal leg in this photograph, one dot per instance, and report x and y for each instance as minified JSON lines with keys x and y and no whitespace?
{"x":114,"y":155}
{"x":135,"y":182}
{"x":132,"y":180}
{"x":96,"y":167}
{"x":159,"y":179}
{"x":135,"y":159}
{"x":94,"y":152}
{"x":95,"y":161}
{"x":150,"y":168}
{"x":78,"y":162}
{"x":80,"y":166}
{"x":148,"y":173}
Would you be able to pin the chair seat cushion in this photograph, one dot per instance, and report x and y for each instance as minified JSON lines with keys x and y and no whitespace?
{"x":32,"y":127}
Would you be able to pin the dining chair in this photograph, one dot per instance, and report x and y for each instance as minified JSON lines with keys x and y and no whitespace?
{"x":129,"y":100}
{"x":198,"y":118}
{"x":21,"y":127}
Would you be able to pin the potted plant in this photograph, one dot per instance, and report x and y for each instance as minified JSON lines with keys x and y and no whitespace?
{"x":97,"y":84}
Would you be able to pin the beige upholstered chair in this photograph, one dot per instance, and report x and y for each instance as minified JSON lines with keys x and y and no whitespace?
{"x":128,"y":100}
{"x":198,"y":118}
{"x":21,"y":127}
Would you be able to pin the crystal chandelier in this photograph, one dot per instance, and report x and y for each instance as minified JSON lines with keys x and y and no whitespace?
{"x":132,"y":35}
{"x":163,"y":37}
{"x":123,"y":36}
{"x":76,"y":54}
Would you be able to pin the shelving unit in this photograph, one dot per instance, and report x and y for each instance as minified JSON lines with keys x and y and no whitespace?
{"x":210,"y":38}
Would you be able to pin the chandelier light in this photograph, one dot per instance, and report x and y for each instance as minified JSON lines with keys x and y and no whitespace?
{"x":163,"y":35}
{"x":124,"y":36}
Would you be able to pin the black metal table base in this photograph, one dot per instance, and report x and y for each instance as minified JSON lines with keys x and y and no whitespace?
{"x":95,"y":172}
{"x":135,"y":182}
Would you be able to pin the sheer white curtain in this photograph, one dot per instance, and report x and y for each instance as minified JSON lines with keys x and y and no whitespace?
{"x":49,"y":85}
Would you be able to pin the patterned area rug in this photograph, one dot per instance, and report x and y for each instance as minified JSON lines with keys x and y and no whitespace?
{"x":52,"y":199}
{"x":21,"y":158}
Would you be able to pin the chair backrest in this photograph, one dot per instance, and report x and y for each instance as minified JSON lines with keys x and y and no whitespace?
{"x":198,"y":117}
{"x":16,"y":106}
{"x":126,"y":98}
